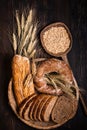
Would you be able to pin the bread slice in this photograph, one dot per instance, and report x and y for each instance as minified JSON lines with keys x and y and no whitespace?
{"x":26,"y":110}
{"x":40,"y":107}
{"x":47,"y":108}
{"x":34,"y":106}
{"x":64,"y":109}
{"x":24,"y":103}
{"x":20,"y":71}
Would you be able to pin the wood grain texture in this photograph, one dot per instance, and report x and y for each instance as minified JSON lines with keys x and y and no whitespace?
{"x":74,"y":15}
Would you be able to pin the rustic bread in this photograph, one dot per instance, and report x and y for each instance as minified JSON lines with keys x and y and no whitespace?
{"x":20,"y":72}
{"x":47,"y":108}
{"x":64,"y":109}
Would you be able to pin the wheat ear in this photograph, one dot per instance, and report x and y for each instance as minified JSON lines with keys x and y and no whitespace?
{"x":25,"y":40}
{"x":32,"y":40}
{"x":22,"y":21}
{"x":14,"y":43}
{"x":28,"y":22}
{"x":18,"y":23}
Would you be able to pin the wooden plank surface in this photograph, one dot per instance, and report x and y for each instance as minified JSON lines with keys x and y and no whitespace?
{"x":74,"y":15}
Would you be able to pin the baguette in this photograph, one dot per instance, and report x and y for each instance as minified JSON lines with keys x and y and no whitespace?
{"x":20,"y":71}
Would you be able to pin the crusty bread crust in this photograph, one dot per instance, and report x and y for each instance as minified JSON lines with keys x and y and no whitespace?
{"x":20,"y":71}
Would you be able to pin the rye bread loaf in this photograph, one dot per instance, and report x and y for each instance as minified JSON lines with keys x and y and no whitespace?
{"x":47,"y":108}
{"x":64,"y":109}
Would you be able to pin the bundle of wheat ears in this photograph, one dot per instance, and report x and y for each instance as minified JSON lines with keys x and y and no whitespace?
{"x":35,"y":108}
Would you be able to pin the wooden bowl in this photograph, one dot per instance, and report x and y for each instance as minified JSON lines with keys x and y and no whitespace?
{"x":58,"y":24}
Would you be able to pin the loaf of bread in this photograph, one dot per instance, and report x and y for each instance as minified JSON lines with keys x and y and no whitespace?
{"x":22,"y":79}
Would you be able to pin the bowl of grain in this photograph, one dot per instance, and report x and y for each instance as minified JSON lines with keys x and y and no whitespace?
{"x":56,"y":39}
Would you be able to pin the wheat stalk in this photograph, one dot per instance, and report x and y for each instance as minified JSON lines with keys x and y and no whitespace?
{"x":25,"y":52}
{"x":58,"y":81}
{"x":25,"y":40}
{"x":26,"y":35}
{"x":33,"y":41}
{"x":33,"y":66}
{"x":51,"y":81}
{"x":31,"y":46}
{"x":65,"y":88}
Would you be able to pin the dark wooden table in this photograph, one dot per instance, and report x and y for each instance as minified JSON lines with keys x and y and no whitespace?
{"x":74,"y":14}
